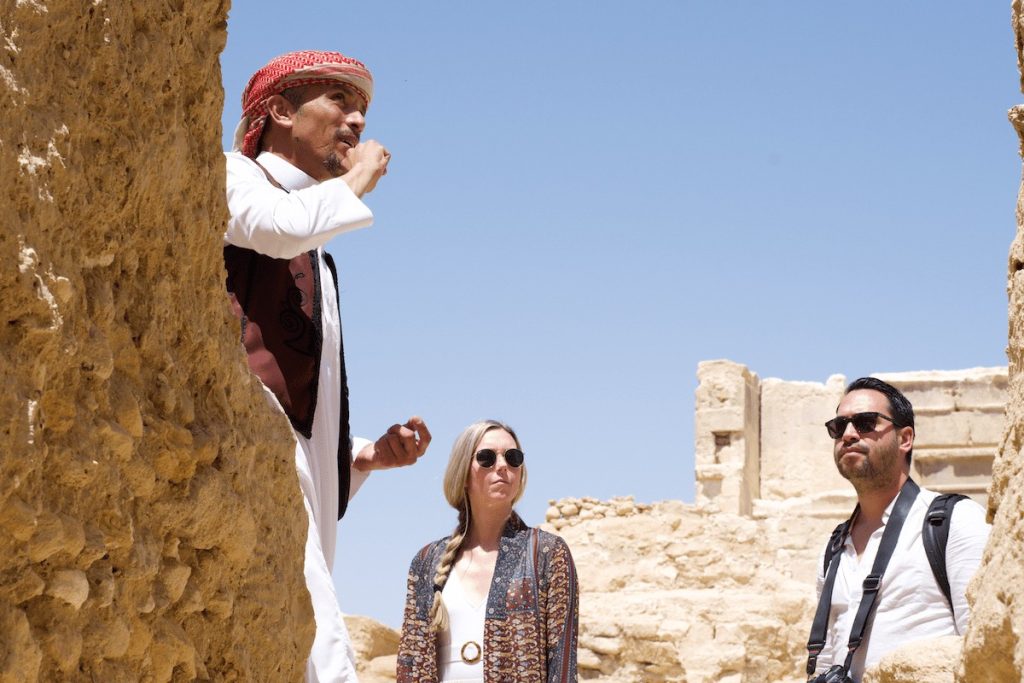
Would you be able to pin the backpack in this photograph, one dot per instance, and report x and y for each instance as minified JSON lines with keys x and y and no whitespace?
{"x":934,"y":534}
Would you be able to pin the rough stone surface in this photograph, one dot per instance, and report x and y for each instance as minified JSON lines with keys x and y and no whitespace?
{"x":993,"y":649}
{"x":675,"y":592}
{"x":376,"y":648}
{"x":932,"y":661}
{"x":727,"y":436}
{"x":792,"y":419}
{"x":150,"y":520}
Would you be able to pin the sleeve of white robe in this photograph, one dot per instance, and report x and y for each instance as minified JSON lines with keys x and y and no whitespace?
{"x":332,"y":658}
{"x":357,"y":477}
{"x":283,"y":224}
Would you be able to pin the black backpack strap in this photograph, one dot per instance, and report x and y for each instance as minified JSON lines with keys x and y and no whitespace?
{"x":935,"y":535}
{"x":819,"y":628}
{"x":873,"y":582}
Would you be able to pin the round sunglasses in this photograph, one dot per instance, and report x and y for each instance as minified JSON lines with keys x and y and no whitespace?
{"x":487,"y":457}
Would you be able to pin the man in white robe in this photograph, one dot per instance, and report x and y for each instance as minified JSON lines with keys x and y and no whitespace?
{"x":296,"y":180}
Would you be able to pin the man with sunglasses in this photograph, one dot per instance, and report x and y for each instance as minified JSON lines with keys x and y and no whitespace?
{"x":873,"y":440}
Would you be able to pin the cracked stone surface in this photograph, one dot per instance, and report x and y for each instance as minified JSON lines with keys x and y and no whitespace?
{"x":151,"y":524}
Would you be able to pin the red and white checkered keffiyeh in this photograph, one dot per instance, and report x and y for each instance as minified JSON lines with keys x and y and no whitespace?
{"x":292,"y":70}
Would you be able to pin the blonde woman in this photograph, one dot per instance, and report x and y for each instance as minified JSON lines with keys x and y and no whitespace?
{"x":496,"y":600}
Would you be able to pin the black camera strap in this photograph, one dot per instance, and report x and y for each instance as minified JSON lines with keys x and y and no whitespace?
{"x":872,"y":583}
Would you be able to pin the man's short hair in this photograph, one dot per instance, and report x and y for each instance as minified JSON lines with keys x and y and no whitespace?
{"x":899,"y":406}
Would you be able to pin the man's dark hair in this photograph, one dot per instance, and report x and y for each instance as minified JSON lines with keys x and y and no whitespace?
{"x":899,"y":406}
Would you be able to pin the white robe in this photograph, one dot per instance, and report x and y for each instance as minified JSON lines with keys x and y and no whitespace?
{"x":283,"y":225}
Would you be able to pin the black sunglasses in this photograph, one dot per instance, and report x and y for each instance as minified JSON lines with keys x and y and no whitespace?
{"x":487,"y":457}
{"x":862,"y":422}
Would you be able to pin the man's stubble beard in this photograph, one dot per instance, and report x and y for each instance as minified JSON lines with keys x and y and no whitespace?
{"x":869,"y":476}
{"x":334,"y":165}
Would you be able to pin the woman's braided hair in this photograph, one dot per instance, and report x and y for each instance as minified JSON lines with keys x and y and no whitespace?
{"x":455,"y":477}
{"x":438,"y":613}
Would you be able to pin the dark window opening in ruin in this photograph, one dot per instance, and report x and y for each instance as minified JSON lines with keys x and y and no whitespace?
{"x":722,"y":441}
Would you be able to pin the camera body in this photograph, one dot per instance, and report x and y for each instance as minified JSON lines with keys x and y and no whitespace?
{"x":836,"y":674}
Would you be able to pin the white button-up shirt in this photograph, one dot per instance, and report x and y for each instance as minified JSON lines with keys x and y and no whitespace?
{"x":910,"y":605}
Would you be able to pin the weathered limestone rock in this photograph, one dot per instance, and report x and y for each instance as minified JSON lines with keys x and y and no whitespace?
{"x":795,"y":451}
{"x":993,"y":649}
{"x":932,"y":661}
{"x":727,"y":436}
{"x":150,"y":521}
{"x":674,"y":592}
{"x":376,"y":648}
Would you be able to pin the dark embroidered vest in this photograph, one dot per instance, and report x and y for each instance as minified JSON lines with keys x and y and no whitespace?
{"x":278,"y":302}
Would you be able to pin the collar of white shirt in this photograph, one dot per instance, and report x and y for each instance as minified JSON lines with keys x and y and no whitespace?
{"x":885,"y":521}
{"x":289,"y":176}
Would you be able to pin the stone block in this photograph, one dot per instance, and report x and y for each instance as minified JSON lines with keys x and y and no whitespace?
{"x":722,"y":382}
{"x":990,"y":395}
{"x":986,"y":428}
{"x":70,"y":586}
{"x":948,"y":429}
{"x":18,"y":518}
{"x":931,"y":398}
{"x":587,"y":659}
{"x":929,"y":661}
{"x":721,"y":420}
{"x":796,"y":451}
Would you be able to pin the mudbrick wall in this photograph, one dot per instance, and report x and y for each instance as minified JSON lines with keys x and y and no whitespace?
{"x":150,"y":520}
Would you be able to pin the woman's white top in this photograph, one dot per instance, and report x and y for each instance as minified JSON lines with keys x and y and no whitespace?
{"x":465,"y":624}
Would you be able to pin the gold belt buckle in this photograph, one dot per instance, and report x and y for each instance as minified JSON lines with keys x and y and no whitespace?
{"x":476,"y":650}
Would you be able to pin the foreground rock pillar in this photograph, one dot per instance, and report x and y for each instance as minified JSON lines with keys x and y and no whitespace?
{"x":151,"y":526}
{"x":993,"y":650}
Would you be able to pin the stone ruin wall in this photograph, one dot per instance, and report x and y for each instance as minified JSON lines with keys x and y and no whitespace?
{"x":761,"y":445}
{"x":150,"y":520}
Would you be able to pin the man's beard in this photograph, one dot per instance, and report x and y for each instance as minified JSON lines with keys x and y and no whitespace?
{"x":870,"y":475}
{"x":334,"y":165}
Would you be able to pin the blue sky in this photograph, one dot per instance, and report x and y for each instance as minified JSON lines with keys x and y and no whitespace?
{"x":587,"y":199}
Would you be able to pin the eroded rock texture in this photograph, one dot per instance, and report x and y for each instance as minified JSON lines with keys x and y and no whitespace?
{"x":671,"y":592}
{"x":993,"y":649}
{"x":150,"y":522}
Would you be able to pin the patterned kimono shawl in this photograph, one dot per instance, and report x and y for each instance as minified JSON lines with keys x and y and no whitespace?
{"x":532,"y":612}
